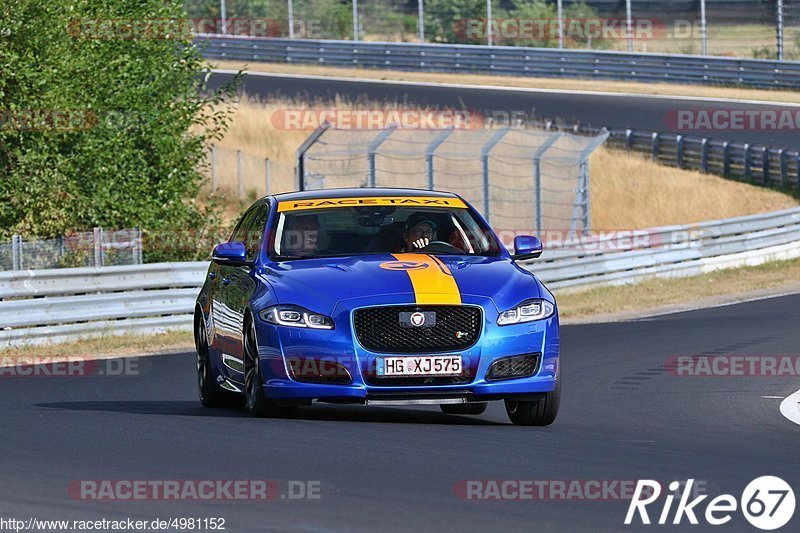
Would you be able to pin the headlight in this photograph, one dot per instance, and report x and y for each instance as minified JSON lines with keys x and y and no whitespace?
{"x":527,"y":311}
{"x":295,"y":316}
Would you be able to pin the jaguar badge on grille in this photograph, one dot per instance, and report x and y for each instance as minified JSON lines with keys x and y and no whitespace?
{"x":418,"y":319}
{"x":461,"y":334}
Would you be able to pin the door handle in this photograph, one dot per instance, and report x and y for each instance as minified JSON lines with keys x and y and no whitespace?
{"x":212,"y":275}
{"x":226,"y":281}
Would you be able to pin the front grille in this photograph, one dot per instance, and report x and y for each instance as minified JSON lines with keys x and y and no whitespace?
{"x":378,"y":329}
{"x":513,"y":367}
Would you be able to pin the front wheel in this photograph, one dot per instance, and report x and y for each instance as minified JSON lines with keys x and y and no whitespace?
{"x":256,"y":401}
{"x":211,"y":395}
{"x":538,"y":412}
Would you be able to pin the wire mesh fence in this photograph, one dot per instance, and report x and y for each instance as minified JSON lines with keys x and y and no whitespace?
{"x":519,"y":179}
{"x":739,"y":28}
{"x":95,"y":248}
{"x":246,"y":176}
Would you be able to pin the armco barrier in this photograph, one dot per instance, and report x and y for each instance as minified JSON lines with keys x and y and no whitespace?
{"x":509,"y":60}
{"x":55,"y":305}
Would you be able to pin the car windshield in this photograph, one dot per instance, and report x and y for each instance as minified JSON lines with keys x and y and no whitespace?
{"x":338,"y":230}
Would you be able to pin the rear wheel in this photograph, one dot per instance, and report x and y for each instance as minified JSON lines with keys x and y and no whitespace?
{"x":538,"y":412}
{"x":256,"y":401}
{"x":475,"y":408}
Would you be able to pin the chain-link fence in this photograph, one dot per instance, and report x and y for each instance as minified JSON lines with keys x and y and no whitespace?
{"x":739,"y":28}
{"x":95,"y":248}
{"x":519,"y":179}
{"x":246,"y":176}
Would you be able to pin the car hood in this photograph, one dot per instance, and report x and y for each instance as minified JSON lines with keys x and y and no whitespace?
{"x":320,"y":284}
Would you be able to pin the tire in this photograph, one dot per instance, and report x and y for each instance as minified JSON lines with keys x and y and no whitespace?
{"x":535,"y":413}
{"x":475,"y":408}
{"x":256,"y":401}
{"x":210,"y":394}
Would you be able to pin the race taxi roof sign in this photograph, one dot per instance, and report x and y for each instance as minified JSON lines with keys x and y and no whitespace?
{"x":415,"y":201}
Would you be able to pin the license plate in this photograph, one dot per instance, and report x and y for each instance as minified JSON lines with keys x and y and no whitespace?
{"x":420,"y":365}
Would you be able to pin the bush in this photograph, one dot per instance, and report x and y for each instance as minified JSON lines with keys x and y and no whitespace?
{"x":100,"y":130}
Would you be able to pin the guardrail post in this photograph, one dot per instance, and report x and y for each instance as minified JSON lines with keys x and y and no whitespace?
{"x":16,"y":252}
{"x":656,"y":144}
{"x":429,"y":154}
{"x":704,"y":155}
{"x":372,"y":151}
{"x":747,"y":161}
{"x":628,"y":139}
{"x":726,"y":159}
{"x":485,"y":151}
{"x":679,"y":151}
{"x":783,"y":165}
{"x":765,"y":165}
{"x":797,"y":168}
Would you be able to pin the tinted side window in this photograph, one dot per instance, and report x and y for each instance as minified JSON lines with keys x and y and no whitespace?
{"x":240,"y":232}
{"x":255,"y":232}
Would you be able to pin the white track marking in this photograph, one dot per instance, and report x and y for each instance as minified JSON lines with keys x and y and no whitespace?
{"x":790,"y":407}
{"x":514,"y":89}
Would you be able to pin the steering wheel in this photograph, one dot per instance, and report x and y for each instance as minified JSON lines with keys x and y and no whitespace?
{"x":442,"y":247}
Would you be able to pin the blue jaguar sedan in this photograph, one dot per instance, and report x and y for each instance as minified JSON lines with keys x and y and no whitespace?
{"x":375,"y":297}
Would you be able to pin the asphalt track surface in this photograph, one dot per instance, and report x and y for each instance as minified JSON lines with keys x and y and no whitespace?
{"x":623,"y":417}
{"x":620,"y":111}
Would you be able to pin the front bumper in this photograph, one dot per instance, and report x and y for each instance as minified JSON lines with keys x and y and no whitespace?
{"x":281,"y":347}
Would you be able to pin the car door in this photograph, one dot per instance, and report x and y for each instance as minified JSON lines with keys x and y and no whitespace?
{"x":241,"y":286}
{"x":226,"y":321}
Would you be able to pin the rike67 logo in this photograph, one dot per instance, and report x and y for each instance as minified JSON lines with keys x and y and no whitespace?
{"x":767,"y":503}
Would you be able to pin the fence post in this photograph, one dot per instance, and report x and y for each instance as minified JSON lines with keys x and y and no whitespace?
{"x":747,"y":157}
{"x":656,"y":145}
{"x":429,"y":152}
{"x":679,"y":150}
{"x":269,"y":175}
{"x":213,"y":168}
{"x":300,"y":155}
{"x":779,"y":28}
{"x":485,"y":151}
{"x":239,"y":181}
{"x":16,"y":252}
{"x":704,"y":155}
{"x":137,"y":246}
{"x":372,"y":151}
{"x":96,"y":241}
{"x":765,"y":165}
{"x":726,"y":159}
{"x":537,"y":176}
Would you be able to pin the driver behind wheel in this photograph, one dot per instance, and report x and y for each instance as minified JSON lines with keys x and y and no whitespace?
{"x":419,"y":233}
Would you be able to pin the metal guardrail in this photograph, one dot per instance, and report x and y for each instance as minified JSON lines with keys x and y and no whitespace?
{"x":38,"y":307}
{"x":514,"y":61}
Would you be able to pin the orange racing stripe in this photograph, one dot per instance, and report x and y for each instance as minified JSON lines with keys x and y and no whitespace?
{"x":434,"y":284}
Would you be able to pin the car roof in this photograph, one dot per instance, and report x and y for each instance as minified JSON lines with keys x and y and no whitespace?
{"x":359,"y":192}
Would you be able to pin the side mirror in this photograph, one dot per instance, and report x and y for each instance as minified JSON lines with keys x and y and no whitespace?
{"x":229,"y":253}
{"x":526,"y":247}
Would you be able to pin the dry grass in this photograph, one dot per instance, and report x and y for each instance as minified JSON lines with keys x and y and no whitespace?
{"x":522,"y":82}
{"x":655,"y":292}
{"x":117,"y":346}
{"x":628,"y":190}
